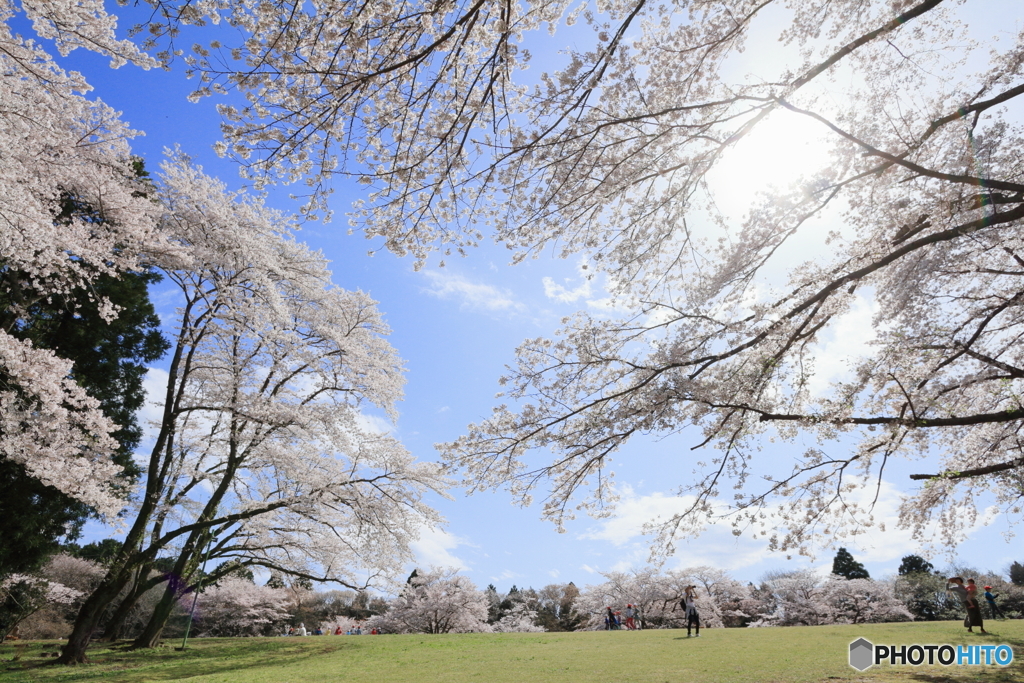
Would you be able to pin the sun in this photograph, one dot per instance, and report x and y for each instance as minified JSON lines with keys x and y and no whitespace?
{"x":781,"y":150}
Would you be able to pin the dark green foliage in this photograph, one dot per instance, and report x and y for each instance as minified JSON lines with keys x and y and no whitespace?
{"x":1017,"y":574}
{"x":234,"y":569}
{"x":845,"y":565}
{"x":926,"y":597}
{"x":915,"y":564}
{"x":33,"y":516}
{"x":98,"y":551}
{"x":110,"y":358}
{"x":109,"y":362}
{"x":18,"y":601}
{"x":556,"y":610}
{"x":301,"y":582}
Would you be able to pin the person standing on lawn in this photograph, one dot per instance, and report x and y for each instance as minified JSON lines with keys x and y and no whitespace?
{"x":991,"y":599}
{"x":955,"y":585}
{"x":690,"y":607}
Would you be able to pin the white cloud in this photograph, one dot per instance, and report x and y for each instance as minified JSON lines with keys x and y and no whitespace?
{"x":373,"y":424}
{"x":152,"y":411}
{"x":472,"y":295}
{"x":553,"y":290}
{"x":851,"y":334}
{"x":554,"y":573}
{"x":434,"y":549}
{"x":507,"y":574}
{"x":882,"y":543}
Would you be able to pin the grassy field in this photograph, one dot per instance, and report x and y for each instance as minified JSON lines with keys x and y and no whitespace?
{"x":777,"y":655}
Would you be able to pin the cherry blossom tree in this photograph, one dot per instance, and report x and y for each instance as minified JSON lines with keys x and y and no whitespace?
{"x":519,"y":619}
{"x":795,"y":599}
{"x":262,"y":455}
{"x":611,"y":155}
{"x":437,"y":601}
{"x":807,"y":599}
{"x":720,"y":321}
{"x":657,"y":596}
{"x":22,"y":595}
{"x":58,"y":144}
{"x":645,"y":589}
{"x":864,"y":601}
{"x":236,"y":607}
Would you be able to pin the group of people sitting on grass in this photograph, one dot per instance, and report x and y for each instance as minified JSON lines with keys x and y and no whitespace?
{"x":613,"y":620}
{"x":338,"y":631}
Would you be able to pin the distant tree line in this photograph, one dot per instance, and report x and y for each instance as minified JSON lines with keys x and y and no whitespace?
{"x":44,"y":604}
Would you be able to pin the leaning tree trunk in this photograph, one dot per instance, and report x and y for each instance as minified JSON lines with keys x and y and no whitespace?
{"x":89,"y":617}
{"x":184,"y":570}
{"x":150,"y":636}
{"x":115,"y":627}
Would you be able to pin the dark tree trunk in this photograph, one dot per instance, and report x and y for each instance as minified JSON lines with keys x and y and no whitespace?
{"x":115,"y":628}
{"x":88,"y":619}
{"x":150,"y":636}
{"x":184,"y":571}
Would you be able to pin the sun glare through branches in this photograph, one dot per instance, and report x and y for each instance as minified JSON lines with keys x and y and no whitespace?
{"x":780,"y":151}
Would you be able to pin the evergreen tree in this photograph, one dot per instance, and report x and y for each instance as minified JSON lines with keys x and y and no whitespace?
{"x":98,"y":551}
{"x":915,"y":564}
{"x":844,"y":565}
{"x":1017,"y":574}
{"x":110,"y":363}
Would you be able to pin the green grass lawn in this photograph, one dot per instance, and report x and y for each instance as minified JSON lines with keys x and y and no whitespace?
{"x":780,"y":655}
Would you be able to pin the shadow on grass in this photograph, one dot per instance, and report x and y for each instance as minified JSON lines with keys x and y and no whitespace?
{"x":971,"y":674}
{"x":118,"y":663}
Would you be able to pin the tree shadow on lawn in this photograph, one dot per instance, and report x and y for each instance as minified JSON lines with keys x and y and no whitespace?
{"x":1014,"y":673}
{"x":118,"y":663}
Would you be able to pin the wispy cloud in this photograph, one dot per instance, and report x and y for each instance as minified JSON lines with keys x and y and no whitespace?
{"x":562,"y":293}
{"x":470,"y":294}
{"x":434,"y":549}
{"x":505,"y":575}
{"x":849,"y":340}
{"x":152,"y":411}
{"x":883,"y":543}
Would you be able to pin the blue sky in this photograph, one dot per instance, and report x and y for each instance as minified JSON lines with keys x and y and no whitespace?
{"x":457,"y":328}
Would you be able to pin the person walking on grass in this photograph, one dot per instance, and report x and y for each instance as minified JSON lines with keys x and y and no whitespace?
{"x":630,"y":625}
{"x":974,"y":609}
{"x":955,"y":585}
{"x":991,"y":599}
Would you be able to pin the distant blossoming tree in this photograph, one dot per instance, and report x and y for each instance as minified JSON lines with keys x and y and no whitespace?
{"x":236,"y":607}
{"x":520,"y":619}
{"x":806,"y":599}
{"x":864,"y":601}
{"x":437,"y":601}
{"x":657,"y":596}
